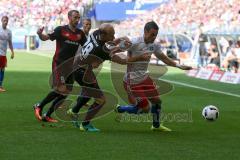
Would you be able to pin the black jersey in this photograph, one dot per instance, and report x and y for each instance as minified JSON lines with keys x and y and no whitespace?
{"x":92,"y":51}
{"x":67,"y":42}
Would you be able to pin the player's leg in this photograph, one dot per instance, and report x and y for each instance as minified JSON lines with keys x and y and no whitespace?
{"x":55,"y":104}
{"x":153,"y":95}
{"x":92,"y":111}
{"x":90,"y":89}
{"x":38,"y":107}
{"x":59,"y":100}
{"x":57,"y":82}
{"x":137,"y":98}
{"x":1,"y":79}
{"x":156,"y":109}
{"x":83,"y":98}
{"x":3,"y":64}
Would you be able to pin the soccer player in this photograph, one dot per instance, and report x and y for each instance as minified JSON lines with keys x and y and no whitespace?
{"x":87,"y":26}
{"x":140,"y":87}
{"x":68,"y":38}
{"x":5,"y":40}
{"x":92,"y":54}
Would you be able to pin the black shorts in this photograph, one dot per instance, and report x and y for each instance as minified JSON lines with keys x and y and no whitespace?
{"x":88,"y":82}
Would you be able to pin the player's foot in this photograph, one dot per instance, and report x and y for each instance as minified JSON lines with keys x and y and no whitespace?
{"x":37,"y":111}
{"x":2,"y":89}
{"x":89,"y":128}
{"x":161,"y":128}
{"x":74,"y":117}
{"x":117,"y":109}
{"x":46,"y":118}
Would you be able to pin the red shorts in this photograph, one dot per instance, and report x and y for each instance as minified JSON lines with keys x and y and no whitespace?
{"x":3,"y":61}
{"x":146,"y":90}
{"x":61,"y":75}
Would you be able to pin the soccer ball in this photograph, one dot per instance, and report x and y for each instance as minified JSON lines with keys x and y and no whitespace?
{"x":210,"y":112}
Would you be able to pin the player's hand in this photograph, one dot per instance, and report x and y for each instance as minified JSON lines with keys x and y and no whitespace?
{"x":183,"y":67}
{"x":125,"y":39}
{"x":125,"y":45}
{"x":40,"y":30}
{"x":12,"y":55}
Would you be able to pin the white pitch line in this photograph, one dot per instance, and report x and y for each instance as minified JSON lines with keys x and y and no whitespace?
{"x":192,"y":86}
{"x":201,"y":88}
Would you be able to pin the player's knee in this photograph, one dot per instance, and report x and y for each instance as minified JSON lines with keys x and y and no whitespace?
{"x":62,"y":89}
{"x":155,"y":100}
{"x":146,"y":109}
{"x":156,"y":106}
{"x":144,"y":105}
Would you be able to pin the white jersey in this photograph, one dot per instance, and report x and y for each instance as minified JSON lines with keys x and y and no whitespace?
{"x":138,"y":71}
{"x":5,"y":36}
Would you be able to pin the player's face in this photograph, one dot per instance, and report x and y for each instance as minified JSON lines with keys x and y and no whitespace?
{"x":150,"y":36}
{"x":4,"y":22}
{"x":86,"y":26}
{"x":74,"y":19}
{"x":109,"y":36}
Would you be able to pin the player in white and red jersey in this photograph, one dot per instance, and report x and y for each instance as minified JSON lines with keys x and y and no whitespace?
{"x":5,"y":40}
{"x":140,"y":87}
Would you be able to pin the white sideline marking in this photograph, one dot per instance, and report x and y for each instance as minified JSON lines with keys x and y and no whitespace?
{"x":192,"y":86}
{"x":201,"y":88}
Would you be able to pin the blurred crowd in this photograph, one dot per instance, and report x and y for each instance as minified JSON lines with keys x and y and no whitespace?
{"x":220,"y":53}
{"x":193,"y":18}
{"x":39,"y":12}
{"x":186,"y":16}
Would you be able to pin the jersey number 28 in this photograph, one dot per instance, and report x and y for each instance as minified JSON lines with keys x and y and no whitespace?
{"x":87,"y":48}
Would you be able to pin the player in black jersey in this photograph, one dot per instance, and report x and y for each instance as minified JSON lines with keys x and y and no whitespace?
{"x":68,"y":38}
{"x":90,"y":56}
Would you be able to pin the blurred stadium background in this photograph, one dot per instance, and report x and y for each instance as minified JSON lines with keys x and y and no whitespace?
{"x":211,"y":25}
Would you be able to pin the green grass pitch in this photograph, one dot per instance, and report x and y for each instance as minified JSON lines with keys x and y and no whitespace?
{"x":22,"y":137}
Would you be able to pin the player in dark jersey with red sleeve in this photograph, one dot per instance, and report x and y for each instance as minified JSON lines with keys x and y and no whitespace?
{"x":91,"y":55}
{"x":68,"y":38}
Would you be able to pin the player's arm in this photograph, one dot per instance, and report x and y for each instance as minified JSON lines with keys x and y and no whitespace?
{"x":121,"y":44}
{"x":120,"y":39}
{"x":122,"y":59}
{"x":170,"y":62}
{"x":42,"y":36}
{"x":11,"y":46}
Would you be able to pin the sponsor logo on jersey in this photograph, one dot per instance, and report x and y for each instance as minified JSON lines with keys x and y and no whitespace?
{"x":71,"y":42}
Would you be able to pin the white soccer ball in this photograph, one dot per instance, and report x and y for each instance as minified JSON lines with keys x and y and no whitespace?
{"x":210,"y":112}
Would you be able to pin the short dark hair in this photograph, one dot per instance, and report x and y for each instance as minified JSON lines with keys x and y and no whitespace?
{"x":150,"y":25}
{"x":71,"y":12}
{"x":86,"y":19}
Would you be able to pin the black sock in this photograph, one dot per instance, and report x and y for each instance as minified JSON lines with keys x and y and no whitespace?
{"x":81,"y":101}
{"x":56,"y":103}
{"x":84,"y":123}
{"x":156,"y":110}
{"x":92,"y":111}
{"x":51,"y":96}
